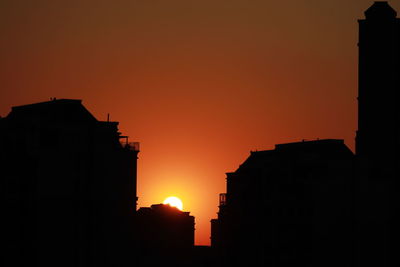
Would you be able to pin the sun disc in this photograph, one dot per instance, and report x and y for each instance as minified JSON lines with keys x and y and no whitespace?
{"x":174,"y":202}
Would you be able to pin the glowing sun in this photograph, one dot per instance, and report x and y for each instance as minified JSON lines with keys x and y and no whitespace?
{"x":174,"y":202}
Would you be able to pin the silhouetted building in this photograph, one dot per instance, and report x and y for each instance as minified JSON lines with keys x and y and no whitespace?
{"x":378,"y":137}
{"x":202,"y":256}
{"x":378,"y":134}
{"x":290,"y":206}
{"x":165,"y":236}
{"x":68,"y":187}
{"x":315,"y":203}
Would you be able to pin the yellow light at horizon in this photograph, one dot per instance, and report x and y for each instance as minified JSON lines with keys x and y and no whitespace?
{"x":174,"y":202}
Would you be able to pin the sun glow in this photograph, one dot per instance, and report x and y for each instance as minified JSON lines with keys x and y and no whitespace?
{"x":174,"y":202}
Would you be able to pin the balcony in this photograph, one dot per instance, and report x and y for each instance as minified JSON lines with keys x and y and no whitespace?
{"x":222,"y":200}
{"x":133,"y":146}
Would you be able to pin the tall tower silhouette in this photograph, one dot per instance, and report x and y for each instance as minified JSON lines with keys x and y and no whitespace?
{"x":378,"y":138}
{"x":379,"y":72}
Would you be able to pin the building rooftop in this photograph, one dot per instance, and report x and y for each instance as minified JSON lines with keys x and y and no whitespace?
{"x":162,"y":209}
{"x":326,"y":149}
{"x":380,"y":10}
{"x":53,"y":110}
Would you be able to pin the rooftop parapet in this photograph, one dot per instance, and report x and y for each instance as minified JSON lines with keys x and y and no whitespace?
{"x":380,"y":10}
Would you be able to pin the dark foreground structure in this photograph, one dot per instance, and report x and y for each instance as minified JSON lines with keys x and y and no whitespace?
{"x":315,"y":203}
{"x":288,"y":206}
{"x":68,"y":186}
{"x":378,"y":138}
{"x":165,"y":236}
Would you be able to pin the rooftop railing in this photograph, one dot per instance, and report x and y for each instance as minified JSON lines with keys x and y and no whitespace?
{"x":222,"y":199}
{"x":134,"y":146}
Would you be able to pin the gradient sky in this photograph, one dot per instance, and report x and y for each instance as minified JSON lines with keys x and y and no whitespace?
{"x":198,"y":83}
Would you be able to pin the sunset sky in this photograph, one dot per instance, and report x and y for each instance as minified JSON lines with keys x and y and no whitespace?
{"x":198,"y":83}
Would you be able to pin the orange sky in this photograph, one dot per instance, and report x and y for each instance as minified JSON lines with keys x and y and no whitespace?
{"x":198,"y":83}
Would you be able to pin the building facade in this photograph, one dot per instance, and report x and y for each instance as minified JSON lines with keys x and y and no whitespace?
{"x":68,"y":187}
{"x":165,"y":236}
{"x":315,"y":203}
{"x":288,"y":206}
{"x":378,"y":137}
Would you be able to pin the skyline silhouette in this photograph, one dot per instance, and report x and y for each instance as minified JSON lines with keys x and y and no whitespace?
{"x":199,"y":95}
{"x":316,"y":203}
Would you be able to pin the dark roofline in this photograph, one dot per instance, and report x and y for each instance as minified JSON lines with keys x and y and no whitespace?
{"x":62,"y":100}
{"x":380,"y":10}
{"x":161,"y":208}
{"x":58,"y":104}
{"x":323,"y":147}
{"x":309,"y":142}
{"x":299,"y":144}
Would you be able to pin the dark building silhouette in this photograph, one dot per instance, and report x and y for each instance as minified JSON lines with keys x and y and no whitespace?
{"x":379,"y":83}
{"x":315,"y":203}
{"x":68,"y":187}
{"x":290,"y":206}
{"x":165,"y":236}
{"x":378,"y":137}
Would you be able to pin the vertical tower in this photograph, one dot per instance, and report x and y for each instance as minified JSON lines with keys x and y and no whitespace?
{"x":378,"y":138}
{"x":379,"y":71}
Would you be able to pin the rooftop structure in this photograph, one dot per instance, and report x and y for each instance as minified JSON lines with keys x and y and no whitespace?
{"x":69,"y":187}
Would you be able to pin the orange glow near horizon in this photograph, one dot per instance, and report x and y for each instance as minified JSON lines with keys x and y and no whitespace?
{"x":174,"y":202}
